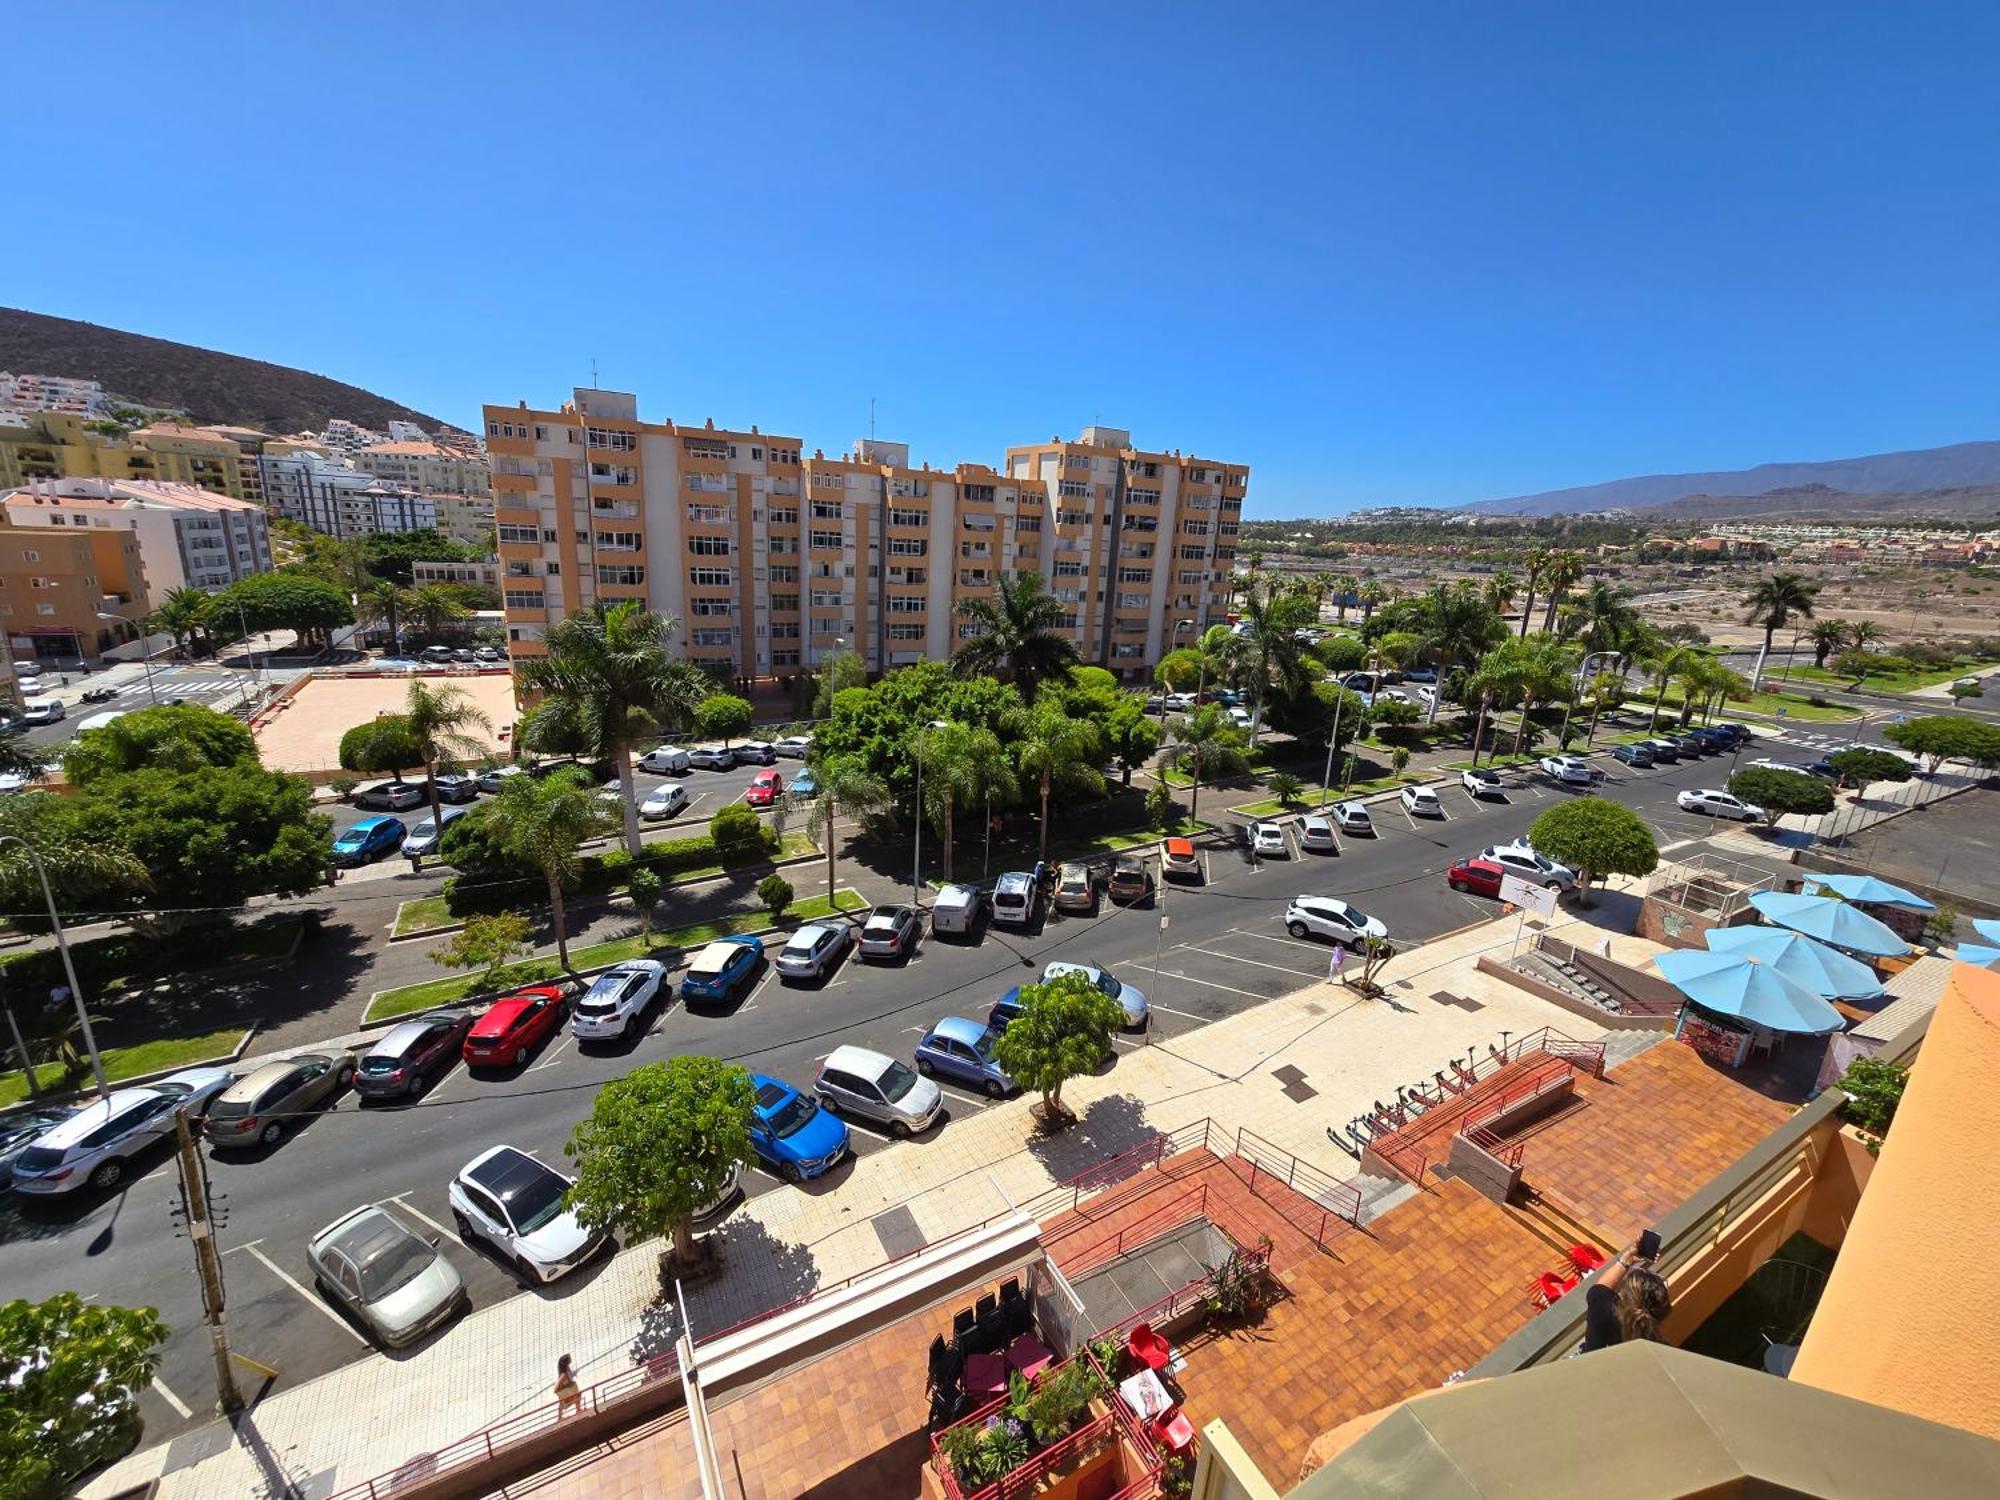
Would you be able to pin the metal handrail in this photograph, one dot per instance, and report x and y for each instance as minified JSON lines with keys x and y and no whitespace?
{"x":1334,"y":1199}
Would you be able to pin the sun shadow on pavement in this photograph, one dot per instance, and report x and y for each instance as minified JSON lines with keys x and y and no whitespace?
{"x":759,"y":1275}
{"x":1113,"y":1125}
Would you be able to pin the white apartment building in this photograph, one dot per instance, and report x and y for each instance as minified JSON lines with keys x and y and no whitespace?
{"x":51,"y":393}
{"x":187,"y":536}
{"x":426,"y":466}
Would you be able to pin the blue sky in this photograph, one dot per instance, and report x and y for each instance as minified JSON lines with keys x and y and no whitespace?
{"x":1384,"y":253}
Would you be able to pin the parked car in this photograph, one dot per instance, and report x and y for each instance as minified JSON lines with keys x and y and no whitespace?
{"x":1481,"y":877}
{"x":1714,"y":739}
{"x":1241,"y":717}
{"x":42,"y":710}
{"x":1270,"y":839}
{"x":1130,"y":880}
{"x":1316,"y":833}
{"x":755,"y":753}
{"x":794,"y":746}
{"x":1005,"y":1009}
{"x":591,"y":773}
{"x":1179,"y":861}
{"x":804,"y":786}
{"x":1016,"y":900}
{"x":890,"y":932}
{"x":20,"y":1131}
{"x":875,"y":1086}
{"x":424,"y":838}
{"x":95,"y":1144}
{"x":1639,"y":756}
{"x":368,"y":840}
{"x":515,"y":1203}
{"x":1739,"y":733}
{"x":1482,"y":783}
{"x":765,"y":788}
{"x":617,"y":1001}
{"x":957,"y":910}
{"x":1718,"y":804}
{"x":495,"y":778}
{"x":262,"y":1105}
{"x":489,"y":653}
{"x":1352,"y":817}
{"x":1130,"y":997}
{"x":962,"y":1050}
{"x":1421,"y":801}
{"x":1076,"y":889}
{"x":402,"y":1062}
{"x":664,"y":802}
{"x":437,"y":656}
{"x":665,"y":760}
{"x":456,"y":786}
{"x":1333,"y":919}
{"x":1572,"y":769}
{"x":515,"y":1026}
{"x":1795,"y":767}
{"x":1823,"y":768}
{"x":792,"y":1136}
{"x":812,"y":951}
{"x":1521,"y":860}
{"x":1693,"y":745}
{"x":391,"y":795}
{"x":721,"y":969}
{"x":397,"y":1284}
{"x":711,"y":758}
{"x":1666,"y":751}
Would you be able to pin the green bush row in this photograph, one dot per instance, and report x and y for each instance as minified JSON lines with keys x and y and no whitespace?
{"x":601,"y":873}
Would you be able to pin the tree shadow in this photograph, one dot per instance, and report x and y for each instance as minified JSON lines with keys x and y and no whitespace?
{"x":1113,"y":1125}
{"x":759,"y":1275}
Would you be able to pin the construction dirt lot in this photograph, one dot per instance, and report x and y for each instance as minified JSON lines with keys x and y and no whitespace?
{"x":303,"y":733}
{"x":1920,"y":604}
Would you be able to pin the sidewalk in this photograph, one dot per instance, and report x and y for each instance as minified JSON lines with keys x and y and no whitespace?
{"x":373,"y":1416}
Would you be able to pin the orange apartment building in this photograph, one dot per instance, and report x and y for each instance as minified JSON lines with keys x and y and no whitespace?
{"x":773,"y":559}
{"x":54,"y":584}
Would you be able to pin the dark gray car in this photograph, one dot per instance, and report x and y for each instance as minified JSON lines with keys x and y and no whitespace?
{"x":410,"y":1053}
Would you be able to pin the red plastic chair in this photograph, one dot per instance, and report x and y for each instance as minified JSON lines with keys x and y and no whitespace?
{"x":1553,"y":1287}
{"x":1586,"y":1258}
{"x":1149,"y":1348}
{"x":1173,"y":1431}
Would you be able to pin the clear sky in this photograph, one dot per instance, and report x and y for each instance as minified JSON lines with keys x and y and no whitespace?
{"x":1384,"y":252}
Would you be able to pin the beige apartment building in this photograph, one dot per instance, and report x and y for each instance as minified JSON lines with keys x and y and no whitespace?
{"x":62,"y":445}
{"x":425,"y":466}
{"x":774,"y":559}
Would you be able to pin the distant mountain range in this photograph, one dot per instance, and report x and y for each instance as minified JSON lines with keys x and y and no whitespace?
{"x":1957,"y":480}
{"x":207,"y":385}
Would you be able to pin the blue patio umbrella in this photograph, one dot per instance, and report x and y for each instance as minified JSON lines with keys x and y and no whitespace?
{"x":1978,"y":953}
{"x":1987,"y":928}
{"x":1830,"y":920}
{"x":1800,"y":959}
{"x":1755,"y":993}
{"x":1869,"y":888}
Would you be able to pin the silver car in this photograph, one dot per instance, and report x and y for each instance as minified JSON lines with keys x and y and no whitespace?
{"x":667,"y":801}
{"x":96,"y":1144}
{"x":873,"y":1086}
{"x":813,"y":950}
{"x":890,"y":932}
{"x":396,"y":1282}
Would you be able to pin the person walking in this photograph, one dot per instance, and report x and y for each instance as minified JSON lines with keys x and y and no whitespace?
{"x":569,"y":1395}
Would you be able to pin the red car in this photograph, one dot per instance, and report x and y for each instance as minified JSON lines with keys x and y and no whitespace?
{"x":765,"y":788}
{"x":1479,"y":876}
{"x":514,"y":1026}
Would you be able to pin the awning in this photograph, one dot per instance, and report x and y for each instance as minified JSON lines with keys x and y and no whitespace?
{"x":1870,"y":888}
{"x":1979,"y":954}
{"x":1749,"y":991}
{"x":1830,"y":920}
{"x":1800,"y":959}
{"x":1987,"y":928}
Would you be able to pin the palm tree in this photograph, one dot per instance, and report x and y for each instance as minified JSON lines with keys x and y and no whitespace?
{"x":1499,"y":682}
{"x":434,"y":607}
{"x":441,"y":721}
{"x":1604,"y":619}
{"x":1537,"y":566}
{"x":1864,"y":633}
{"x":542,"y":822}
{"x":1501,"y":590}
{"x":1664,"y":667}
{"x":1547,"y":672}
{"x":1021,"y":637}
{"x":962,"y":768}
{"x":608,"y":665}
{"x":382,"y":603}
{"x":1772,"y":604}
{"x":1372,"y":593}
{"x":1564,"y":568}
{"x":1827,"y":637}
{"x":1205,"y":743}
{"x":845,"y":787}
{"x":1456,"y":625}
{"x":1272,"y":651}
{"x":1048,"y":743}
{"x":1344,"y":587}
{"x":183,"y":614}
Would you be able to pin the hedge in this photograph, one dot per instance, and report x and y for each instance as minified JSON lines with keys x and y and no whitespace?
{"x":602,"y":872}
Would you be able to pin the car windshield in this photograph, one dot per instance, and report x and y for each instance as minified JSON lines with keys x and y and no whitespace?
{"x":397,"y":1259}
{"x":1109,"y":985}
{"x":792,"y":1116}
{"x":897,"y":1082}
{"x":536,"y":1202}
{"x":1356,"y":915}
{"x":425,"y":829}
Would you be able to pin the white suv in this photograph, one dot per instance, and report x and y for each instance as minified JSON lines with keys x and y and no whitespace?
{"x":1570,"y":768}
{"x":615,"y":1005}
{"x":515,"y":1203}
{"x":94,"y":1145}
{"x":1332,"y":919}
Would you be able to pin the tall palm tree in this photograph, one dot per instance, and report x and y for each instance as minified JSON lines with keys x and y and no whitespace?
{"x":1564,"y":568}
{"x":441,"y":722}
{"x":1021,"y":636}
{"x":1205,"y":743}
{"x":1344,"y":587}
{"x":1051,"y":742}
{"x":183,"y":614}
{"x":381,"y":602}
{"x":435,"y":607}
{"x":963,"y":767}
{"x":1771,"y":604}
{"x":610,"y":667}
{"x":1665,"y":667}
{"x":1537,"y":565}
{"x":1827,"y":637}
{"x":1373,"y":593}
{"x":1547,"y":671}
{"x":1502,"y":588}
{"x":845,"y":787}
{"x":1495,"y":682}
{"x":542,"y":823}
{"x":1864,"y":633}
{"x":1604,"y":619}
{"x":1455,"y":625}
{"x":1273,"y":653}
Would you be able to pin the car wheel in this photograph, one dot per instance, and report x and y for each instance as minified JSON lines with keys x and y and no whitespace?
{"x":271,"y":1134}
{"x":924,"y":1067}
{"x":346,"y":1077}
{"x":526,"y":1272}
{"x":415,"y":1086}
{"x":1551,"y":885}
{"x":107,"y":1174}
{"x":1457,"y":885}
{"x":831,"y":1106}
{"x":900,"y":1129}
{"x":1297,"y":929}
{"x":790,"y":1172}
{"x":993,"y":1089}
{"x":520,"y":1056}
{"x":464,"y":1226}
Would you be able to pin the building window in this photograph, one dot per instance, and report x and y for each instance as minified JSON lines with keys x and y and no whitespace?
{"x":1194,"y":528}
{"x":625,"y":573}
{"x":711,"y":606}
{"x":1135,"y":575}
{"x":785,"y":630}
{"x":828,"y":598}
{"x":1143,"y":497}
{"x":909,"y":546}
{"x":709,"y":546}
{"x":901,"y":517}
{"x":617,"y":442}
{"x":716,"y":578}
{"x":708,"y":515}
{"x":1068,"y":570}
{"x":907,"y":632}
{"x":1070,"y":489}
{"x":1194,"y":554}
{"x":907,"y":604}
{"x":720,"y":636}
{"x":784,"y":515}
{"x":529,"y":534}
{"x":786,"y":574}
{"x":1132,"y":601}
{"x":1028,"y":523}
{"x":525,"y":599}
{"x":826,"y":539}
{"x":618,"y":541}
{"x":1072,"y":517}
{"x":1142,"y":523}
{"x":785,"y":602}
{"x":826,"y":510}
{"x":1126,"y":650}
{"x":784,"y":658}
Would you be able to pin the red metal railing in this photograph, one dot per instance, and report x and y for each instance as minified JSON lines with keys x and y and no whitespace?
{"x":1171,"y":1306}
{"x":1336,"y":1201}
{"x":1189,"y":1206}
{"x":1118,"y":1170}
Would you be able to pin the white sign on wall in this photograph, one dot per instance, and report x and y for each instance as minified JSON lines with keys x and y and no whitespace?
{"x":1539,"y":899}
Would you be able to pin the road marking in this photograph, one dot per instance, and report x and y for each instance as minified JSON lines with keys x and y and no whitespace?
{"x":285,"y":1276}
{"x":555,"y":1052}
{"x":1287,"y":939}
{"x":401,"y":1200}
{"x":1211,"y":984}
{"x":181,"y":1408}
{"x":1254,"y":963}
{"x":1184,"y":1014}
{"x":954,"y":1093}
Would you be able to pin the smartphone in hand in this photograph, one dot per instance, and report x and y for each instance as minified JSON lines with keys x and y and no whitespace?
{"x":1649,"y":1244}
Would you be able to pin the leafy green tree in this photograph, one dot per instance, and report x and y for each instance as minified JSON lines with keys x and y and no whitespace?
{"x":541,"y":824}
{"x":175,"y":737}
{"x":1395,"y":716}
{"x":1162,"y":812}
{"x":1597,"y":838}
{"x":659,"y":1146}
{"x":1781,"y":792}
{"x":1063,"y":1032}
{"x":1560,"y":572}
{"x":737,"y":830}
{"x":1827,"y":637}
{"x":389,"y":554}
{"x":846,"y":788}
{"x":1948,"y":737}
{"x":1094,"y":696}
{"x":962,"y":768}
{"x":722,"y":716}
{"x":776,"y":893}
{"x":183,"y":614}
{"x":1179,"y":670}
{"x":875,"y":725}
{"x":1048,"y":746}
{"x":435,"y":608}
{"x":379,"y":746}
{"x":1273,"y":656}
{"x":836,"y":674}
{"x":70,"y":1374}
{"x":1340,"y":653}
{"x":283,"y":601}
{"x":1665,"y":667}
{"x":1874,"y":1088}
{"x":1309,"y":716}
{"x":1537,"y":566}
{"x":386,"y":604}
{"x":1399,"y":759}
{"x":1205,"y":744}
{"x":486,"y":943}
{"x":1020,"y":637}
{"x":441,"y":722}
{"x":1859,"y":766}
{"x":1456,"y":627}
{"x":1771,"y":605}
{"x":645,"y":886}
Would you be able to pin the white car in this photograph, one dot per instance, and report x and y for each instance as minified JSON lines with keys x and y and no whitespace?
{"x":665,"y":760}
{"x":1316,"y":832}
{"x":813,"y":949}
{"x":1568,"y":768}
{"x":1241,"y":717}
{"x":1718,"y":804}
{"x":1130,"y":997}
{"x":515,"y":1203}
{"x":1482,"y":783}
{"x":1180,"y":703}
{"x":794,"y":746}
{"x":1422,"y":801}
{"x":42,"y":710}
{"x":427,"y":835}
{"x":664,"y":802}
{"x":495,"y":778}
{"x":1778,"y":765}
{"x":616,"y":1003}
{"x":1332,"y":919}
{"x":1521,"y":860}
{"x":95,"y":1145}
{"x":1269,"y":838}
{"x":1352,"y":817}
{"x":711,"y":758}
{"x":755,"y":753}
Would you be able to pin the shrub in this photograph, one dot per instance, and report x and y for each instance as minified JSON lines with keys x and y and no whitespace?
{"x":1941,"y":923}
{"x":735,"y":830}
{"x":1874,"y":1088}
{"x":1161,"y":809}
{"x":1285,"y":787}
{"x":776,"y":893}
{"x":343,"y":786}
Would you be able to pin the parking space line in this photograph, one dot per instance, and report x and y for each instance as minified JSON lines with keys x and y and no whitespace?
{"x":1186,"y":1015}
{"x":289,"y":1280}
{"x":952,"y":1093}
{"x":1254,"y":963}
{"x":1270,"y":937}
{"x":402,"y":1201}
{"x":1211,"y":984}
{"x":181,"y":1408}
{"x":555,"y":1052}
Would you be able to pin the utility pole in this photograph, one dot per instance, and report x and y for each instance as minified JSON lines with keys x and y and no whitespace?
{"x":208,"y":1261}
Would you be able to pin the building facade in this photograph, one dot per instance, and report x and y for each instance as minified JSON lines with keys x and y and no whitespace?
{"x":187,"y":537}
{"x":55,"y":583}
{"x":774,"y":559}
{"x":60,"y":445}
{"x":26,"y":392}
{"x":425,"y":466}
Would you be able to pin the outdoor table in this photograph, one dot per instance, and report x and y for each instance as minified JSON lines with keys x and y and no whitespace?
{"x":1028,"y":1355}
{"x":1144,"y":1395}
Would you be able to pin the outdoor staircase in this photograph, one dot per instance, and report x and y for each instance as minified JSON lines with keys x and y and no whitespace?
{"x":1566,"y":977}
{"x":1379,"y":1194}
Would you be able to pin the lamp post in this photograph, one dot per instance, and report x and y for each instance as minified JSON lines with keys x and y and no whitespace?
{"x":145,"y":652}
{"x":1167,"y":687}
{"x":69,"y":969}
{"x":917,"y":856}
{"x":1332,"y":744}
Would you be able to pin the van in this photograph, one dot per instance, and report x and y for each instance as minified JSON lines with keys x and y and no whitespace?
{"x":956,"y":911}
{"x":42,"y":710}
{"x":1015,"y":900}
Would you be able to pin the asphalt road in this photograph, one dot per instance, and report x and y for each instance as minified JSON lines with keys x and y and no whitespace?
{"x":1225,"y":949}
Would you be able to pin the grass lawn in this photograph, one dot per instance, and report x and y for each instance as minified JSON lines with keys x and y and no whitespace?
{"x":1883,"y":682}
{"x":110,"y":965}
{"x":129,"y":1062}
{"x":1796,"y":706}
{"x":414,"y":997}
{"x":1505,"y":758}
{"x":422,"y":914}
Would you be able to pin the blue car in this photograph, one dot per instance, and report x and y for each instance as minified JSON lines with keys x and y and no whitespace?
{"x":792,"y":1135}
{"x":1715,"y":738}
{"x":805,"y":784}
{"x":722,"y":968}
{"x":1633,"y":755}
{"x":1004,"y":1010}
{"x":369,"y":840}
{"x":963,"y":1050}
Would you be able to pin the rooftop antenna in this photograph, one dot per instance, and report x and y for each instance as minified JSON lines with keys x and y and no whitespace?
{"x":871,"y":419}
{"x":593,"y":372}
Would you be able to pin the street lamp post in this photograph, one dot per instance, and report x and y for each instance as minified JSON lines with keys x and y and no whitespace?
{"x":145,"y":652}
{"x":1332,"y":743}
{"x":69,"y":968}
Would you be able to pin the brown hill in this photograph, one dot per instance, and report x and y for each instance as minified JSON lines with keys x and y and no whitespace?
{"x":1977,"y":504}
{"x":208,"y":385}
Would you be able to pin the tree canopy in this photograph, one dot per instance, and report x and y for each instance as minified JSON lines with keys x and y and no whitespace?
{"x":1019,"y":635}
{"x":282,"y":601}
{"x":1597,"y":838}
{"x":389,"y":554}
{"x":1949,"y":737}
{"x":70,"y":1371}
{"x":1858,"y":765}
{"x":177,"y":737}
{"x":1780,"y":792}
{"x":380,"y":745}
{"x":873,"y":726}
{"x":722,"y":716}
{"x":1063,"y":1032}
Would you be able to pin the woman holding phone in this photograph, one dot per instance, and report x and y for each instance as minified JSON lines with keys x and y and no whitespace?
{"x":1628,"y":1301}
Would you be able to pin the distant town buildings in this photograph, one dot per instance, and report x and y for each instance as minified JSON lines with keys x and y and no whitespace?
{"x":424,"y":465}
{"x":51,"y":393}
{"x":187,"y":536}
{"x":54,"y":583}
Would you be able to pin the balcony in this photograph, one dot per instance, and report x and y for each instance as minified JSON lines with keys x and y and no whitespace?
{"x":621,"y":510}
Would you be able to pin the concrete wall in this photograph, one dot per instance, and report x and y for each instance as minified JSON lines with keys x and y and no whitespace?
{"x":1486,"y":964}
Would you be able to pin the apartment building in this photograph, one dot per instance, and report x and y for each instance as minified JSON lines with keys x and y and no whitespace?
{"x":773,"y":559}
{"x":55,"y":583}
{"x":424,"y":465}
{"x":187,"y":536}
{"x":26,"y":392}
{"x":60,"y":444}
